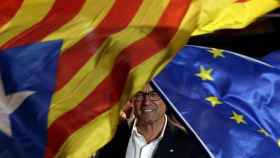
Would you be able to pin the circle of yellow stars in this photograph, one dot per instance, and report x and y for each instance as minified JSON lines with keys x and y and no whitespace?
{"x":206,"y":75}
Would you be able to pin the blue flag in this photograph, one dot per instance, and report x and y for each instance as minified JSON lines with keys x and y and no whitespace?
{"x":272,"y":58}
{"x":27,"y":81}
{"x":231,"y":102}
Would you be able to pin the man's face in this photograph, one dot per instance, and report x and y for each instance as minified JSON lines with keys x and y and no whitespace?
{"x":148,"y":106}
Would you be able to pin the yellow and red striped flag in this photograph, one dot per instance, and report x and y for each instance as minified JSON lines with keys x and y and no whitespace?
{"x":111,"y":48}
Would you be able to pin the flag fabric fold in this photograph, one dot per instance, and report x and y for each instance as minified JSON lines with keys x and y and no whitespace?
{"x":27,"y":82}
{"x":110,"y":49}
{"x":230,"y":101}
{"x":272,"y":58}
{"x":231,"y":14}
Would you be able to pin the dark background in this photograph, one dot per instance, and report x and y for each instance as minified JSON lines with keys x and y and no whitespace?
{"x":256,"y":40}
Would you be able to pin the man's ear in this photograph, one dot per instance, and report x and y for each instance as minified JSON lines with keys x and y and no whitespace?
{"x":131,"y":101}
{"x":128,"y":105}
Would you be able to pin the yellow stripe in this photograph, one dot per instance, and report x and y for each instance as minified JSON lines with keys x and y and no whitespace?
{"x":227,"y":14}
{"x":91,"y":14}
{"x":87,"y":140}
{"x":30,"y":13}
{"x":95,"y":70}
{"x":99,"y":131}
{"x":144,"y":72}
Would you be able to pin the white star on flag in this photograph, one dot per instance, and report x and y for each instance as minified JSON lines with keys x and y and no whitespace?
{"x":8,"y":104}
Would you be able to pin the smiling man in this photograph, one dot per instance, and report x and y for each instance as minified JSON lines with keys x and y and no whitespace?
{"x":151,"y":135}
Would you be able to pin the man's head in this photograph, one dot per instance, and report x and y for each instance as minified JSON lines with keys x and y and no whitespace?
{"x":149,"y":108}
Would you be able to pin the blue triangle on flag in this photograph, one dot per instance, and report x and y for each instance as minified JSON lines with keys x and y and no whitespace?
{"x":28,"y":68}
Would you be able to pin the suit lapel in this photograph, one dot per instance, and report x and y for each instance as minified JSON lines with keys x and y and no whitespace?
{"x":121,"y":141}
{"x":165,"y":148}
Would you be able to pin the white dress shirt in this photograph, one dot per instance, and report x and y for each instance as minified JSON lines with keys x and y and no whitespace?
{"x":137,"y":145}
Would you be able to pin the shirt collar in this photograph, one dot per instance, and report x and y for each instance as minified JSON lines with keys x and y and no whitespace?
{"x":136,"y":133}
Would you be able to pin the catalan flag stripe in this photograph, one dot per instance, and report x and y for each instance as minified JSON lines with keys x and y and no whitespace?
{"x":112,"y":19}
{"x":88,"y":18}
{"x":104,"y":125}
{"x":86,"y":78}
{"x":56,"y":17}
{"x":8,"y":9}
{"x":94,"y":71}
{"x":24,"y":19}
{"x":113,"y":85}
{"x":93,"y":40}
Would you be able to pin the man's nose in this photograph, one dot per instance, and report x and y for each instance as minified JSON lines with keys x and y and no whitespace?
{"x":147,"y":100}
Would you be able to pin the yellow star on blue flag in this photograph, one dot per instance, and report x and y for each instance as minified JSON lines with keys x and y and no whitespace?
{"x":205,"y":74}
{"x":229,"y":93}
{"x":216,"y":53}
{"x":214,"y":101}
{"x":238,"y":118}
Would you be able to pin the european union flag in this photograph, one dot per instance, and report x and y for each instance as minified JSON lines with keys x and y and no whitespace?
{"x":272,"y":58}
{"x":230,"y":101}
{"x":27,"y":80}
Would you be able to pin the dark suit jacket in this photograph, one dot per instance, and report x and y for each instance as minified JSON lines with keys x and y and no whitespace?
{"x":176,"y":143}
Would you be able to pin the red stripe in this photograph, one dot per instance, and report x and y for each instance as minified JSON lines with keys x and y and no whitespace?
{"x":8,"y":9}
{"x":61,"y":13}
{"x":74,"y":58}
{"x":109,"y":91}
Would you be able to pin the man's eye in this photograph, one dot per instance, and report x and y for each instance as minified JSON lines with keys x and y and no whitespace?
{"x":139,"y":94}
{"x":153,"y":94}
